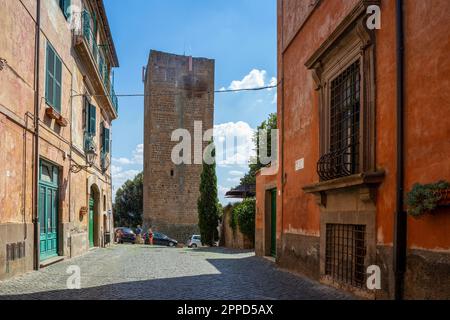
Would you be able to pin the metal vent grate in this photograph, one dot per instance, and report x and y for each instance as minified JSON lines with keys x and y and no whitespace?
{"x":15,"y":251}
{"x":345,"y":253}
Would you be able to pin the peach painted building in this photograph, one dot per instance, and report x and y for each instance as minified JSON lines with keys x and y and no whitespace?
{"x":364,"y":115}
{"x":57,"y":104}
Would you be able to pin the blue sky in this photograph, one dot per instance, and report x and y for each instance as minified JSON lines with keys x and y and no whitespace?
{"x":239,"y":34}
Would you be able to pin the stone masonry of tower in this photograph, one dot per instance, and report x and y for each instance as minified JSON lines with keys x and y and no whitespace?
{"x":179,"y":90}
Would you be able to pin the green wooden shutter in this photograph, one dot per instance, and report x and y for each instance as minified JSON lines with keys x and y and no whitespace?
{"x":50,"y":70}
{"x":53,"y":79}
{"x":86,"y":114}
{"x":92,"y":120}
{"x":102,"y":136}
{"x":107,"y":139}
{"x":66,"y":8}
{"x":57,"y":83}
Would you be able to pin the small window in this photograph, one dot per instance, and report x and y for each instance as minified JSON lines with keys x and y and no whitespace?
{"x":91,"y":119}
{"x":104,"y":202}
{"x":343,"y":156}
{"x":53,"y":79}
{"x":172,"y":173}
{"x":106,"y":138}
{"x":46,"y":173}
{"x":346,"y":253}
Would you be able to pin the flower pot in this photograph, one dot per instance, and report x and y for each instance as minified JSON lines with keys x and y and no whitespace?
{"x":62,"y":122}
{"x":52,"y":113}
{"x":445,"y":198}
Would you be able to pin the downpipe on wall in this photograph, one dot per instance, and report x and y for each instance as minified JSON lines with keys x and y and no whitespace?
{"x":400,"y":227}
{"x":36,"y":136}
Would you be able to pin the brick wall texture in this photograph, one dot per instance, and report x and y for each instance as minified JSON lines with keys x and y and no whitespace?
{"x":179,"y":91}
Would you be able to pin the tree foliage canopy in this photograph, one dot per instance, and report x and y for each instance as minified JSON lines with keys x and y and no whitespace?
{"x":128,"y":206}
{"x":243,"y":214}
{"x":208,"y":205}
{"x":267,"y":125}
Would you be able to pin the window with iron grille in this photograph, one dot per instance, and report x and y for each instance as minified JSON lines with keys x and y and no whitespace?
{"x":345,"y":253}
{"x":343,"y":156}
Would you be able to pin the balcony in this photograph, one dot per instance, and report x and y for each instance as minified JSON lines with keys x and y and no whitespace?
{"x":93,"y":56}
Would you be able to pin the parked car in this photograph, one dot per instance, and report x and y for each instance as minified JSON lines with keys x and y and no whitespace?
{"x":127,"y":236}
{"x":161,"y":239}
{"x":194,"y":241}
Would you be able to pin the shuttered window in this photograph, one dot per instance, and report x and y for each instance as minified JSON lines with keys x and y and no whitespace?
{"x":92,"y":119}
{"x":53,"y":79}
{"x":105,"y":139}
{"x":64,"y":5}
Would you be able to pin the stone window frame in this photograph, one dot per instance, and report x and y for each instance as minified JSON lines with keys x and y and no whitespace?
{"x":351,"y":41}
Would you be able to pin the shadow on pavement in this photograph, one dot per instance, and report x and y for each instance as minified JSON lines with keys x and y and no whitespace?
{"x":236,"y":279}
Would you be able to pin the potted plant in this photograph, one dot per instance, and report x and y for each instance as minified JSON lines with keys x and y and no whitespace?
{"x":424,"y":198}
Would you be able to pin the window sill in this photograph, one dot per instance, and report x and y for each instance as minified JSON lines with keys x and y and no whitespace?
{"x":356,"y":180}
{"x":366,"y":182}
{"x":53,"y":114}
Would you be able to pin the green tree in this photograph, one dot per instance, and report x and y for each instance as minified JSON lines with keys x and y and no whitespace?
{"x":208,"y":204}
{"x":267,"y":125}
{"x":128,"y":206}
{"x":244,"y":215}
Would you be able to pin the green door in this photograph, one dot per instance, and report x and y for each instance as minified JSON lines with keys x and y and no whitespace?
{"x":48,"y":210}
{"x":273,"y":224}
{"x":91,"y":222}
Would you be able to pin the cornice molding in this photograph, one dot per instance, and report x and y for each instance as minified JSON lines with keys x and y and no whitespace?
{"x":349,"y":21}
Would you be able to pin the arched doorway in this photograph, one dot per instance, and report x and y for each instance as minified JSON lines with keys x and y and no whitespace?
{"x":93,"y":221}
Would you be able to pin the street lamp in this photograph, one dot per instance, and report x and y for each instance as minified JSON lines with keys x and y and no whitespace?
{"x":90,"y":160}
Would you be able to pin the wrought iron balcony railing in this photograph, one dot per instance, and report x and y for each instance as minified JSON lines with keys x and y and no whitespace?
{"x":98,"y":53}
{"x":338,"y":164}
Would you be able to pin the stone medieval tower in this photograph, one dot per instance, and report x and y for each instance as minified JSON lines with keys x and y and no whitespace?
{"x":179,"y":90}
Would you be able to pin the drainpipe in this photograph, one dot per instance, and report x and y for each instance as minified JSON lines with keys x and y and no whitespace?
{"x":282,"y":125}
{"x":36,"y":136}
{"x":400,"y":238}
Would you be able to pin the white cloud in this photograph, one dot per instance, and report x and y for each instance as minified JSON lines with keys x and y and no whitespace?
{"x":273,"y":81}
{"x":138,"y":154}
{"x":255,"y":79}
{"x":236,"y":173}
{"x":122,"y":161}
{"x":221,"y":190}
{"x":275,"y":98}
{"x":120,"y":176}
{"x":234,"y":143}
{"x":234,"y":180}
{"x":136,"y":158}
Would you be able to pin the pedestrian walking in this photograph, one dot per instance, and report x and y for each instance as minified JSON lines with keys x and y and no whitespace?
{"x":150,"y":236}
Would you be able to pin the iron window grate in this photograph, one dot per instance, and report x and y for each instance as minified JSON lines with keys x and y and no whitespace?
{"x":346,"y":253}
{"x":343,"y":157}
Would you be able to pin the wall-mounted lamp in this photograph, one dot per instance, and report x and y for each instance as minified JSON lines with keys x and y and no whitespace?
{"x":90,"y":160}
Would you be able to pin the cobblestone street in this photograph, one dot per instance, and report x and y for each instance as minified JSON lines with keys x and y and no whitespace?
{"x":144,"y":272}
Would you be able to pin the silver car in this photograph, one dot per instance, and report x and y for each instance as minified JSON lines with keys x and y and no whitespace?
{"x":195,"y":241}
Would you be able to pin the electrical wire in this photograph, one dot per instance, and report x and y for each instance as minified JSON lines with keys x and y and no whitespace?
{"x":171,"y":93}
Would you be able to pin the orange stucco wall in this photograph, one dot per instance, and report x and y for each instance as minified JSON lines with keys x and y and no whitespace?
{"x":427,"y":108}
{"x":264,"y":183}
{"x":57,"y":144}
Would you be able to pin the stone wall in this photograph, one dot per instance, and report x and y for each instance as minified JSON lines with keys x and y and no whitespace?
{"x":180,"y":91}
{"x":233,"y":238}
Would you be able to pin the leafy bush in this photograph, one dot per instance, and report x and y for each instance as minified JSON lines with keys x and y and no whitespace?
{"x":425,"y":197}
{"x":244,"y":216}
